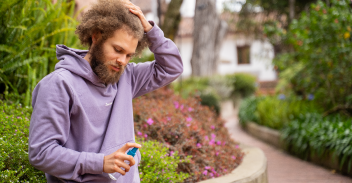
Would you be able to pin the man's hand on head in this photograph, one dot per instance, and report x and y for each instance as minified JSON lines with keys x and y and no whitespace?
{"x":113,"y":162}
{"x":137,"y":11}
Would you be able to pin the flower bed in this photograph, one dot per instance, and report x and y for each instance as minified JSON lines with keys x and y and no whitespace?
{"x":186,"y":126}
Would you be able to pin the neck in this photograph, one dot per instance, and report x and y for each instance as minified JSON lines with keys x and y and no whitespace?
{"x":87,"y":57}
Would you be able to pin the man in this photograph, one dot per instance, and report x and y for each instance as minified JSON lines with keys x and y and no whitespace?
{"x":82,"y":120}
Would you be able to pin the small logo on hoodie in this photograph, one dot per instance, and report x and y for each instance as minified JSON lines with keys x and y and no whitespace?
{"x":107,"y":104}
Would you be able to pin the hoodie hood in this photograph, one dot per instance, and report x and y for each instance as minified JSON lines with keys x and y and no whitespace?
{"x":73,"y":60}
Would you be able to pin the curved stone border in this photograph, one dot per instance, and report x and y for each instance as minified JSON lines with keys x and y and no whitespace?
{"x":253,"y":168}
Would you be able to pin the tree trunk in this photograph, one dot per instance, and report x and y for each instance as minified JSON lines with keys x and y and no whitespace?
{"x":209,"y":31}
{"x":292,"y":9}
{"x":172,"y":19}
{"x":159,"y":12}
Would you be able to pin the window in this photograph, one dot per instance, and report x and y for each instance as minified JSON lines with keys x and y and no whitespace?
{"x":243,"y":55}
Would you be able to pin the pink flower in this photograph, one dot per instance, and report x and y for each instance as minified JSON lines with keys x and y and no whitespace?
{"x":213,"y":136}
{"x":188,"y":125}
{"x":168,"y":118}
{"x":207,"y":167}
{"x":139,"y":133}
{"x":181,"y":107}
{"x":150,"y":121}
{"x":205,"y":172}
{"x":218,"y":142}
{"x":211,"y":175}
{"x":190,"y":109}
{"x":211,"y":143}
{"x":223,"y":143}
{"x":171,"y":153}
{"x":217,"y":153}
{"x":212,"y":127}
{"x":145,"y":135}
{"x":188,"y":119}
{"x":176,"y":104}
{"x":206,"y":138}
{"x":237,"y":146}
{"x":199,"y":145}
{"x":233,"y":157}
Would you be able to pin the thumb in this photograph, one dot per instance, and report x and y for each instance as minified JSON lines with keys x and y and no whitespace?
{"x":128,"y":146}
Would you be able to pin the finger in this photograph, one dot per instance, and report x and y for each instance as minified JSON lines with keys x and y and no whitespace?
{"x":123,"y":166}
{"x":119,"y":170}
{"x":128,"y":146}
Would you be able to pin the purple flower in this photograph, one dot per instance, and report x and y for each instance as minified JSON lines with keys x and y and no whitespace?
{"x":206,"y":138}
{"x":218,"y":142}
{"x":211,"y":175}
{"x":233,"y":157}
{"x":217,"y":153}
{"x":181,"y":107}
{"x":213,"y":136}
{"x":212,"y":127}
{"x":207,"y":167}
{"x":190,"y":109}
{"x":150,"y":121}
{"x":176,"y":104}
{"x":205,"y":172}
{"x":199,"y":145}
{"x":145,"y":135}
{"x":310,"y":97}
{"x":139,"y":133}
{"x":236,"y":146}
{"x":188,"y":124}
{"x":211,"y":142}
{"x":171,"y":153}
{"x":281,"y":97}
{"x":188,"y":119}
{"x":168,"y":118}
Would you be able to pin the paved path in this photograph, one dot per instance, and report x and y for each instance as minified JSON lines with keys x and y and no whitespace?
{"x":282,"y":168}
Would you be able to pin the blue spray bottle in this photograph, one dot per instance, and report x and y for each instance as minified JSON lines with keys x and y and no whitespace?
{"x":131,"y":152}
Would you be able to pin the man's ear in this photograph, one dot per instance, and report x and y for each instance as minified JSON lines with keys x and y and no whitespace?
{"x":96,"y":36}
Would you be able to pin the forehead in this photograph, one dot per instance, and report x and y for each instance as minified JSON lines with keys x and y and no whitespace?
{"x":124,"y":39}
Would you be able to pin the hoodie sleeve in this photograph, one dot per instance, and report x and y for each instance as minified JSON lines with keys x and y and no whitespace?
{"x":166,"y":67}
{"x":49,"y":130}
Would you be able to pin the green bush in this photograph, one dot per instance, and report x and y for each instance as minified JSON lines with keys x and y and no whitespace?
{"x":248,"y":110}
{"x":321,"y":56}
{"x":211,"y":101}
{"x":158,"y":165}
{"x":275,"y":113}
{"x":29,"y":32}
{"x":314,"y":134}
{"x":244,"y":84}
{"x":14,"y":163}
{"x":193,"y":86}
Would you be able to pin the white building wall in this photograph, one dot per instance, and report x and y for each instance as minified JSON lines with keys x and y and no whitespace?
{"x":261,"y":55}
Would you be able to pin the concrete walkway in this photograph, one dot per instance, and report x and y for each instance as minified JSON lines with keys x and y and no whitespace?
{"x":282,"y":168}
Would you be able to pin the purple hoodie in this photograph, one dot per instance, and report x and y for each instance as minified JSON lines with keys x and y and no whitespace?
{"x":77,"y":120}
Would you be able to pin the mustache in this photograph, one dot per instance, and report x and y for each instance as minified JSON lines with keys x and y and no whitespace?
{"x":115,"y":64}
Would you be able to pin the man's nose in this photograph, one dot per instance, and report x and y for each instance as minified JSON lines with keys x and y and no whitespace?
{"x":122,"y":60}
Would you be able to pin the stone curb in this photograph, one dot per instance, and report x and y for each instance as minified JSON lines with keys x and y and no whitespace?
{"x":253,"y":168}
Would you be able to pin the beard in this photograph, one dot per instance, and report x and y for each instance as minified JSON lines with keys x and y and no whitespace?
{"x":100,"y":66}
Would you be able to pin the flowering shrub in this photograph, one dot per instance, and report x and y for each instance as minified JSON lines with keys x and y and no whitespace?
{"x":158,"y":165}
{"x":184,"y":125}
{"x":14,"y":164}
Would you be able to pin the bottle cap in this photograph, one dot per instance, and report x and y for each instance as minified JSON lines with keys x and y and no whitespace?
{"x":132,"y":152}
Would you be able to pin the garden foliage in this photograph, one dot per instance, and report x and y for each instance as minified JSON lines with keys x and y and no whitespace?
{"x":244,"y":85}
{"x":14,"y":128}
{"x":321,"y":54}
{"x":275,"y":111}
{"x":313,"y":135}
{"x":186,"y":126}
{"x":158,"y":165}
{"x":29,"y":32}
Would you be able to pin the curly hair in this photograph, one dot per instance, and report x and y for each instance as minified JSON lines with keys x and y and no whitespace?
{"x":106,"y":17}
